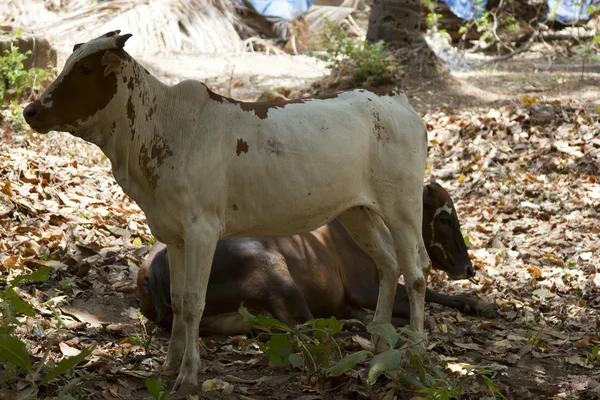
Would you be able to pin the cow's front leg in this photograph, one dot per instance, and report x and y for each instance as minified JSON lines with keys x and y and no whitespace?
{"x":200,"y":242}
{"x":177,"y":342}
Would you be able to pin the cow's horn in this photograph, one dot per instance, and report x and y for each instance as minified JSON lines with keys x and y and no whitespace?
{"x":121,"y":39}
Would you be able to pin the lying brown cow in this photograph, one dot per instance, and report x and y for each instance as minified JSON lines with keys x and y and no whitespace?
{"x":318,"y":274}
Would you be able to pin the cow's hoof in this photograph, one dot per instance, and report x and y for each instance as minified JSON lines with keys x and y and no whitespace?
{"x":184,"y":390}
{"x":486,"y":310}
{"x":378,"y":344}
{"x":169,"y":371}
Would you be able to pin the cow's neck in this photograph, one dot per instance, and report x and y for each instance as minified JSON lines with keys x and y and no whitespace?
{"x":133,"y":137}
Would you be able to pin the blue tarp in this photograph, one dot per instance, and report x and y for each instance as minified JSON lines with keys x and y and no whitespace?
{"x":570,"y":10}
{"x":287,"y":9}
{"x":467,"y":9}
{"x":559,"y":10}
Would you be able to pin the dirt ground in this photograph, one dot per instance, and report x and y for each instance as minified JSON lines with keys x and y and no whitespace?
{"x":522,"y":172}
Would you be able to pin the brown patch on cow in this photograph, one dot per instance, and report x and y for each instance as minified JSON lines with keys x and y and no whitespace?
{"x":157,"y":154}
{"x":131,"y":114}
{"x":150,"y":112}
{"x":235,"y":207}
{"x":379,"y":129}
{"x":242,"y":147}
{"x":80,"y":94}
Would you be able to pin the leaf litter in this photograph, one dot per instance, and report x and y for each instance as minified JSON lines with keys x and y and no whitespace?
{"x":523,"y":175}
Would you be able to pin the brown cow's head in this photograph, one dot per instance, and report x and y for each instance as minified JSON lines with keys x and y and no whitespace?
{"x":84,"y":89}
{"x":441,"y":232}
{"x":153,"y":286}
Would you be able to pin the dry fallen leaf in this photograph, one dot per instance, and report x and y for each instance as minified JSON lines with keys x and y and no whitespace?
{"x":214,"y":384}
{"x":67,"y":350}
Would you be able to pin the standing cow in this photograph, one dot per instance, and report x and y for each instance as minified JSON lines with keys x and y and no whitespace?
{"x":204,"y":167}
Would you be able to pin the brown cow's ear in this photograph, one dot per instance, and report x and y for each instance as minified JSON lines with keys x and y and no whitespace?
{"x":112,"y":63}
{"x":78,"y":45}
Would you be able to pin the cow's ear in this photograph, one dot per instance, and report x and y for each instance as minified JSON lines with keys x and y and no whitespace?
{"x":432,"y":179}
{"x":112,"y":63}
{"x":78,"y":45}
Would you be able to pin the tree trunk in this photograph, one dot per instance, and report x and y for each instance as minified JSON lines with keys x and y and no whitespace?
{"x":397,"y":22}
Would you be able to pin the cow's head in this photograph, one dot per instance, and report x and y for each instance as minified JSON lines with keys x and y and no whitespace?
{"x":441,"y":232}
{"x":87,"y":86}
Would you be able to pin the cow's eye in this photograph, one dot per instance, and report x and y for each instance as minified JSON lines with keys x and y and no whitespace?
{"x":85,"y":70}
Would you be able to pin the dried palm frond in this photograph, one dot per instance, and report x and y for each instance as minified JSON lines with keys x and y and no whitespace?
{"x":25,"y":14}
{"x":266,"y":45}
{"x":318,"y":16}
{"x":199,"y":26}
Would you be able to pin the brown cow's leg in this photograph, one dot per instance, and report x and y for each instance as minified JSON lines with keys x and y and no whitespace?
{"x":371,"y":234}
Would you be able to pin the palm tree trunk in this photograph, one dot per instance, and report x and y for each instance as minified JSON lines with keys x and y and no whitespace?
{"x":397,"y":22}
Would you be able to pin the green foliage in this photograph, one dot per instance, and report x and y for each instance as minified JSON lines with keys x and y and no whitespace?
{"x":310,"y":345}
{"x":365,"y":63}
{"x":15,"y":81}
{"x":595,"y":354}
{"x":155,"y":388}
{"x":13,"y":351}
{"x":589,"y":49}
{"x":143,"y":337}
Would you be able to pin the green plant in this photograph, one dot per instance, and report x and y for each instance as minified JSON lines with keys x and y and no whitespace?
{"x":155,"y":388}
{"x":14,"y":352}
{"x":595,"y":354}
{"x":10,"y":302}
{"x":15,"y":81}
{"x":588,"y":50}
{"x":143,"y":338}
{"x":365,"y":63}
{"x":404,"y":364}
{"x":310,"y":345}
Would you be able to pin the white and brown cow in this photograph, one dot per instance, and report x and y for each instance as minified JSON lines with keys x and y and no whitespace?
{"x":204,"y":167}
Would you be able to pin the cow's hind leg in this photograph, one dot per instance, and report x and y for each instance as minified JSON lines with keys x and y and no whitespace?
{"x":370,"y":232}
{"x":413,"y":263}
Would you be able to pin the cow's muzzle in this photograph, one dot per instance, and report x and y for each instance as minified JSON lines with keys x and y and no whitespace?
{"x":33,"y":117}
{"x":468,"y":273}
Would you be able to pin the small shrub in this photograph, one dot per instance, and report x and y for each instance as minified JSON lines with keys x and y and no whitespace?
{"x":309,"y":346}
{"x":365,"y":63}
{"x":17,"y":83}
{"x":18,"y":366}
